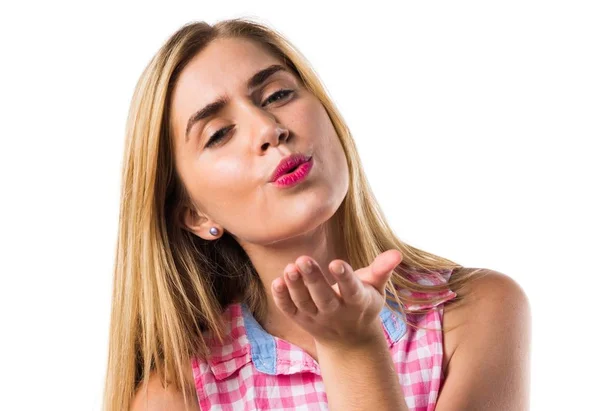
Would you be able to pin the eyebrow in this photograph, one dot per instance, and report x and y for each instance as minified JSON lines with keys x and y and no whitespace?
{"x":211,"y":109}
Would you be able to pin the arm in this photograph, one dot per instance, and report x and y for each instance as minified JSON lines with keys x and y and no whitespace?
{"x":361,"y":377}
{"x":489,"y":369}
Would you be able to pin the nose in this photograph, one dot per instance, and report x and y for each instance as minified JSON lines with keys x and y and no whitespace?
{"x":272,"y":136}
{"x":268,"y":131}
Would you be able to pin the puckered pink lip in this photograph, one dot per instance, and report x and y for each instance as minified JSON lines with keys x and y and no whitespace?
{"x":295,"y":177}
{"x":288,"y":163}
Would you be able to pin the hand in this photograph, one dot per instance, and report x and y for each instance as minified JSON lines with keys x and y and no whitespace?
{"x":342,"y":314}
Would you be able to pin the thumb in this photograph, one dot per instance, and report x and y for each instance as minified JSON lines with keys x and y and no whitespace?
{"x":381,"y":269}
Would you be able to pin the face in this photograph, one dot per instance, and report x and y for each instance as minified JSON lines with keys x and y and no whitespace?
{"x":228,"y":175}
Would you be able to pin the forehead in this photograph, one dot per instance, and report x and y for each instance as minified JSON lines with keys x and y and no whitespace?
{"x":222,"y":68}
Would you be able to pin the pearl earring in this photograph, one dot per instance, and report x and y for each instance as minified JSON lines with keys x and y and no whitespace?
{"x":214,"y":230}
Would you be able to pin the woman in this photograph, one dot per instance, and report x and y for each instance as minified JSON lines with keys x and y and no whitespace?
{"x":255,"y":270}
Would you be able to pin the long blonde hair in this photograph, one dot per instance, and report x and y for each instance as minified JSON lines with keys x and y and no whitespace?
{"x":171,"y":286}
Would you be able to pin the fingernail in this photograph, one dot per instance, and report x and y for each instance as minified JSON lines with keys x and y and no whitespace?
{"x":338,"y":269}
{"x":305,"y":266}
{"x":293,"y":275}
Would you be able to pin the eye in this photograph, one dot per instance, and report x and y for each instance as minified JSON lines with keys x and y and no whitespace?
{"x":217,"y":136}
{"x":279,"y":93}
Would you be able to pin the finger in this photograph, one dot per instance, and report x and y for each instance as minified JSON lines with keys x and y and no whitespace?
{"x":331,"y":280}
{"x":380,"y":270}
{"x":351,"y":287}
{"x":282,"y":297}
{"x":298,"y":291}
{"x":322,"y":294}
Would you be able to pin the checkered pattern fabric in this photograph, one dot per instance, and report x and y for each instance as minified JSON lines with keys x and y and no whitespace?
{"x":254,"y":370}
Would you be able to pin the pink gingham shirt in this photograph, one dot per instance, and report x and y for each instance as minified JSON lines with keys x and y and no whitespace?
{"x":254,"y":370}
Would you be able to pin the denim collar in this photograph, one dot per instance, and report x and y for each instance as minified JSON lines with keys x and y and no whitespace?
{"x":263,"y":346}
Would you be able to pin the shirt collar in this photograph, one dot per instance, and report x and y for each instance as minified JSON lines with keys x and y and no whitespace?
{"x":246,"y":340}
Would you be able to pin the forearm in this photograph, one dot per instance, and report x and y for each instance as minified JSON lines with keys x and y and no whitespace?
{"x":361,"y":377}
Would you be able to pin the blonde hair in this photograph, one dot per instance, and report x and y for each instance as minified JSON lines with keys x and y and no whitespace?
{"x":171,"y":286}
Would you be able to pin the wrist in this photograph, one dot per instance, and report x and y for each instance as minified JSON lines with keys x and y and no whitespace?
{"x":372,"y":338}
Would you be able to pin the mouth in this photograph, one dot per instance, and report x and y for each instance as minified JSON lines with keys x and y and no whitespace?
{"x":294,"y":175}
{"x":291,"y":170}
{"x":289,"y":165}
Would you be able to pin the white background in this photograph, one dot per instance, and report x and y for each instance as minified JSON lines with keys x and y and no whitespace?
{"x":477,"y":122}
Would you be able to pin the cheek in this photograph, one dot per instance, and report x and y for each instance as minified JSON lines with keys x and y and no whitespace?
{"x":226,"y":188}
{"x":329,"y":150}
{"x":225,"y":175}
{"x":321,"y":130}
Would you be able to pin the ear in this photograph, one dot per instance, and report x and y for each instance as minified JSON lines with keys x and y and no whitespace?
{"x":198,"y":224}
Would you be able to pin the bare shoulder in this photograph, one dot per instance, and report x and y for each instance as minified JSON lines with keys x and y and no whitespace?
{"x":158,"y":398}
{"x":487,"y":337}
{"x":487,"y":291}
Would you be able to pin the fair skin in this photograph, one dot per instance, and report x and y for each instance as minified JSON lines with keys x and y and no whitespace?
{"x":281,"y":229}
